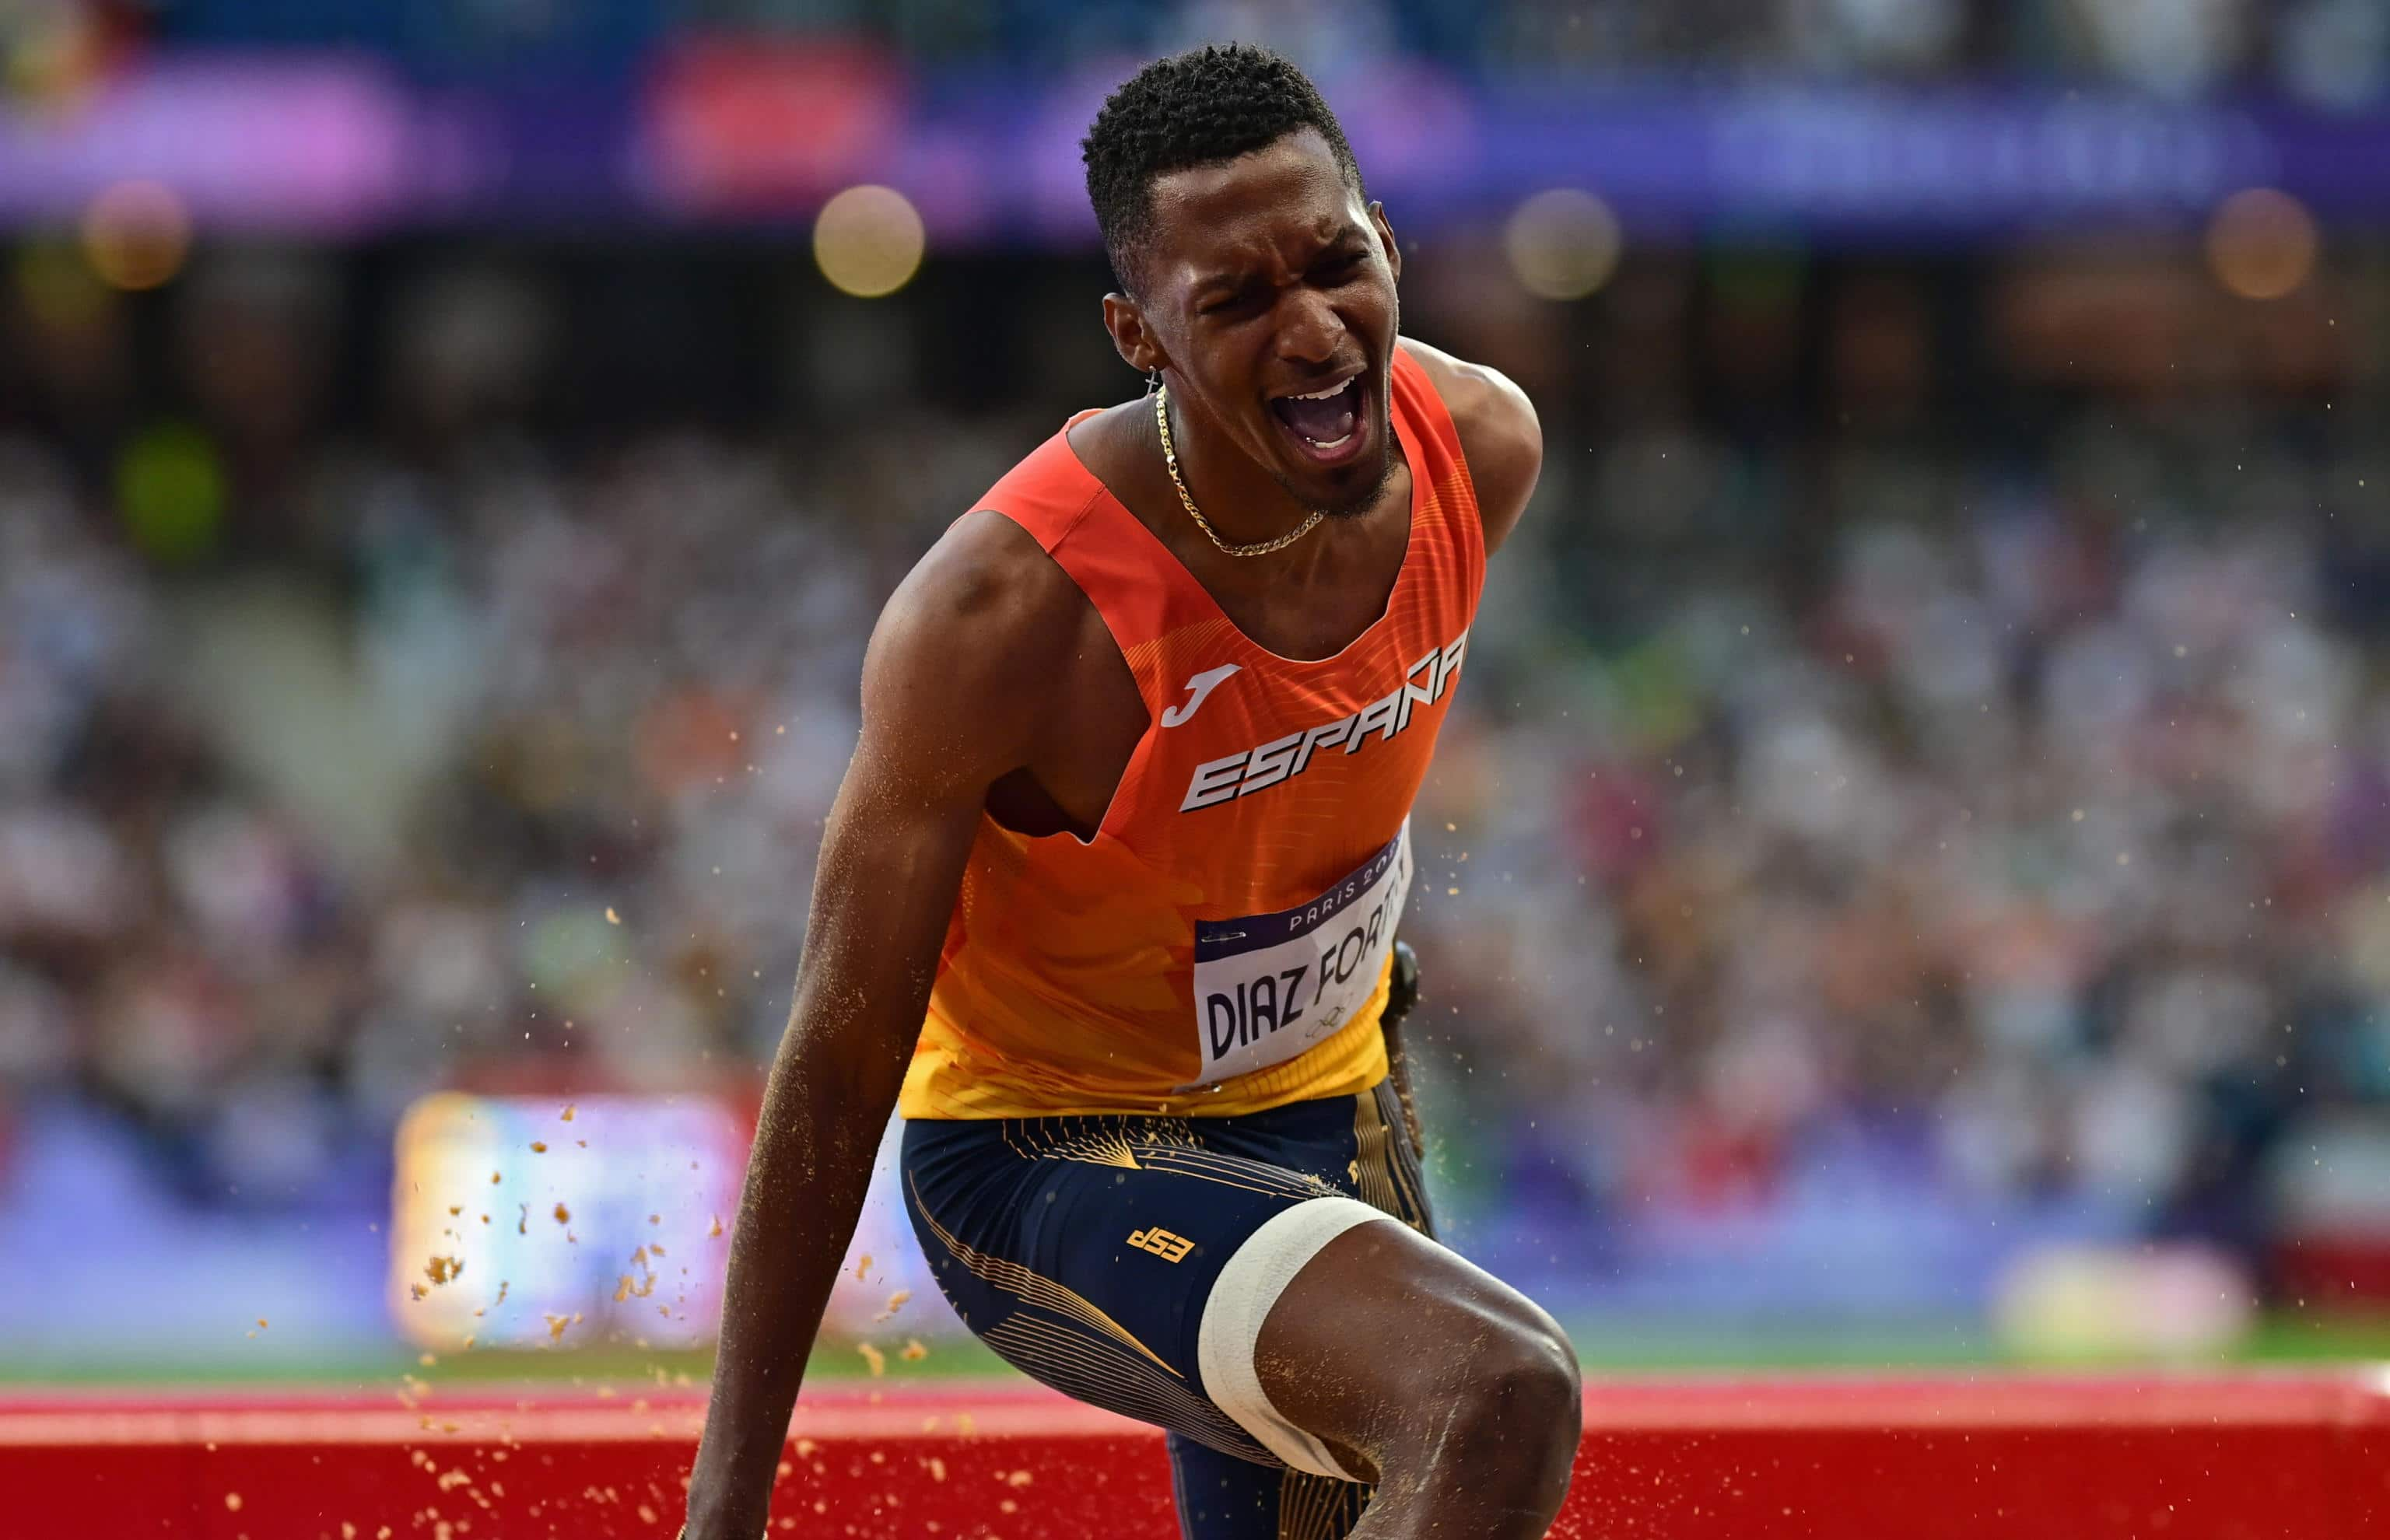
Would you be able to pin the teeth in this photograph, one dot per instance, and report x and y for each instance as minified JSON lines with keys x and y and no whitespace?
{"x":1323,"y":395}
{"x":1329,"y":444}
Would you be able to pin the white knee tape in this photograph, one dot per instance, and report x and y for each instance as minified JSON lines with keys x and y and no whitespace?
{"x":1248,"y":1285}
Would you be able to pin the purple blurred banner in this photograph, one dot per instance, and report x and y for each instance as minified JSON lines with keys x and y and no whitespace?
{"x":728,"y":133}
{"x":315,"y":146}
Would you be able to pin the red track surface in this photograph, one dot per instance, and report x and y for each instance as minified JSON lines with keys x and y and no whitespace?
{"x":2243,"y":1458}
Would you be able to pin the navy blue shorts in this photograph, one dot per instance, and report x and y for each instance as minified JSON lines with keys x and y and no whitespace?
{"x":1083,"y":1250}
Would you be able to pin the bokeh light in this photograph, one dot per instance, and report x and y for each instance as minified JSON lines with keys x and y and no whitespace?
{"x":57,"y":287}
{"x":136,"y":233}
{"x":170,"y":487}
{"x":1562,"y":243}
{"x":868,"y":241}
{"x":2261,"y":243}
{"x":54,"y":54}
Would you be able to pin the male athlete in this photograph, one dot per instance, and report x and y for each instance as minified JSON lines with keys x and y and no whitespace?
{"x":1107,"y":904}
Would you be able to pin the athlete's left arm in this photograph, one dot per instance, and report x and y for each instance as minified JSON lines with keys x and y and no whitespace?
{"x":1499,"y":435}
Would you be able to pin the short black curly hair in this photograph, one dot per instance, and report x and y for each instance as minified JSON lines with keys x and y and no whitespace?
{"x":1196,"y":108}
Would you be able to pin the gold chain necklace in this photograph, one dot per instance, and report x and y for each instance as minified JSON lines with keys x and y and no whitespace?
{"x":1170,"y":458}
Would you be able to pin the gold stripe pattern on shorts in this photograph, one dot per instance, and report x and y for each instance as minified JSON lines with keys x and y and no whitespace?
{"x":1313,"y":1507}
{"x":1032,"y":1288}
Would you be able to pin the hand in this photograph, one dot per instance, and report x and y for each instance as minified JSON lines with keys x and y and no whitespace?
{"x":1402,"y":993}
{"x":1403,"y":987}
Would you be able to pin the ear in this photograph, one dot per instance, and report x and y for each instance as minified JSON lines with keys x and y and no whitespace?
{"x":1132,"y":339}
{"x":1386,"y":234}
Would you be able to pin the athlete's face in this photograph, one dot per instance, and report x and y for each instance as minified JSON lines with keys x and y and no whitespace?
{"x":1269,"y":281}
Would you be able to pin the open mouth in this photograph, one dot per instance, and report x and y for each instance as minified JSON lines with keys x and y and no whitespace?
{"x":1325,"y":424}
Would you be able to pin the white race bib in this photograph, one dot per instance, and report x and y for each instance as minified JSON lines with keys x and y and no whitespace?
{"x":1269,"y":986}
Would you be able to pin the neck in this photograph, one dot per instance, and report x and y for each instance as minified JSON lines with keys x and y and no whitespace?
{"x":1243,"y":504}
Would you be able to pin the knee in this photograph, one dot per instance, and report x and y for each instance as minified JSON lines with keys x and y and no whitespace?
{"x":1533,"y":1376}
{"x":1522,"y":1401}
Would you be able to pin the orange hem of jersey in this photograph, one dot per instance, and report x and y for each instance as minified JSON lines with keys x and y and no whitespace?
{"x":1350,"y":1062}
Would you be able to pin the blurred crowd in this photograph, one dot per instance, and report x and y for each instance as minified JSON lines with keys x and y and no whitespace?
{"x":1999,"y":811}
{"x":2040,"y":856}
{"x":511,"y":778}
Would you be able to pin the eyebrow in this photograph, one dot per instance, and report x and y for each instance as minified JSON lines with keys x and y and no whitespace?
{"x":1344,"y":235}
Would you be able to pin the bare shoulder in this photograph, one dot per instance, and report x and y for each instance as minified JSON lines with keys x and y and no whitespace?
{"x":961,"y":663}
{"x":1498,"y":432}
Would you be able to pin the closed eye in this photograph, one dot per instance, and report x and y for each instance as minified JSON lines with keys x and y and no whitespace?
{"x":1337,"y":268}
{"x":1232,"y":302}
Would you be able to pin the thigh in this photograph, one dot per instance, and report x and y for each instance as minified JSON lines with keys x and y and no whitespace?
{"x":1478,"y":1373}
{"x":1084,"y":1250}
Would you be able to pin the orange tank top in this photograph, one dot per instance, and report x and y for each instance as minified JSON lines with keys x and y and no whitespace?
{"x":1222,"y":945}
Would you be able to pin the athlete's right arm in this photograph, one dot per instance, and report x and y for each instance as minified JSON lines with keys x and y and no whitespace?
{"x":951,"y":701}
